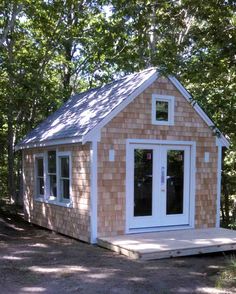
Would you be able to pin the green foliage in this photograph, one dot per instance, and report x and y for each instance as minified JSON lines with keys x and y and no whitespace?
{"x":51,"y":49}
{"x":227,"y":277}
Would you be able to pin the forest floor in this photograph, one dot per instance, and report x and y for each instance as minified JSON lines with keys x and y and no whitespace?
{"x":34,"y":260}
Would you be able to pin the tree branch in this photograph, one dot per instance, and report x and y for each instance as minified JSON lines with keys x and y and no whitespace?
{"x":10,"y":24}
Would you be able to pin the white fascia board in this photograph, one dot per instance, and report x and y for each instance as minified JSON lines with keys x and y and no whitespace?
{"x":180,"y":87}
{"x":96,"y":130}
{"x":197,"y":108}
{"x":48,"y":143}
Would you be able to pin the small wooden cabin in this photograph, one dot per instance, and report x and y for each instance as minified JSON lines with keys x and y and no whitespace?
{"x":136,"y":155}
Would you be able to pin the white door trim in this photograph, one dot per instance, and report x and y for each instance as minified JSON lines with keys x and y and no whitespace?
{"x":142,"y":142}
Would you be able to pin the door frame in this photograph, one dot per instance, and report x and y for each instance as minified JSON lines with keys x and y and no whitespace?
{"x":129,"y":153}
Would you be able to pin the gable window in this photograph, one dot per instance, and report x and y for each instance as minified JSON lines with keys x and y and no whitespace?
{"x":39,"y":175}
{"x":162,"y":109}
{"x":53,"y":177}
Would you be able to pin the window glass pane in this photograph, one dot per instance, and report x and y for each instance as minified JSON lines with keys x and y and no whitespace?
{"x":143,"y":182}
{"x":162,"y":110}
{"x":65,"y":188}
{"x":52,"y":162}
{"x":175,"y":182}
{"x":40,"y":167}
{"x":65,"y":167}
{"x":53,"y":185}
{"x":40,"y":186}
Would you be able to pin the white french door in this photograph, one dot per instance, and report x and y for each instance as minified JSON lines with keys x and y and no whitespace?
{"x":159,"y":185}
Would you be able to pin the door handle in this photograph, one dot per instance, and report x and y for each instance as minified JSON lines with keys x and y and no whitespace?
{"x":163,"y":182}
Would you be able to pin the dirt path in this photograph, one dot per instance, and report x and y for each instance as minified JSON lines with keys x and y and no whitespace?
{"x":34,"y":260}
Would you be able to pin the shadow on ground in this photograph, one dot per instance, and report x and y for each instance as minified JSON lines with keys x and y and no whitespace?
{"x":34,"y":260}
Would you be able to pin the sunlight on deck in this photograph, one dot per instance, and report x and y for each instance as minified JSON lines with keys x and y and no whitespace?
{"x":171,"y":243}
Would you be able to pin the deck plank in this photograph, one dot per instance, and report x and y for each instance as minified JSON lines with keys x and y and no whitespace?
{"x":168,"y":244}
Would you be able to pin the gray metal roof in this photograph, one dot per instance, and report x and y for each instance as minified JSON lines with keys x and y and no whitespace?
{"x":82,"y":112}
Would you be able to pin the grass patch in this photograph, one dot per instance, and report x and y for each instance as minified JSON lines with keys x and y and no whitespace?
{"x":227,"y":277}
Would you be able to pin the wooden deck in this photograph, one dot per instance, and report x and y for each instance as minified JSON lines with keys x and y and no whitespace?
{"x":168,"y":244}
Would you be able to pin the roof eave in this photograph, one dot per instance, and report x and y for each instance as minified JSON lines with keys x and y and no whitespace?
{"x":94,"y":133}
{"x":47,"y":143}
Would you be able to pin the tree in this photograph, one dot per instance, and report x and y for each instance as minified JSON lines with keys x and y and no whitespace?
{"x":50,"y":49}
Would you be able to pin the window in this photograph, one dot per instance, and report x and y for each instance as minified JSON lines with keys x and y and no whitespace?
{"x":39,"y":167}
{"x":64,"y":177}
{"x":53,"y":177}
{"x":162,"y":109}
{"x":52,"y":174}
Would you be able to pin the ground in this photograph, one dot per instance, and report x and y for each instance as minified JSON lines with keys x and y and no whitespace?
{"x":34,"y":260}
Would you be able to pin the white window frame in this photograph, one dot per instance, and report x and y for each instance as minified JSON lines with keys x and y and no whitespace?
{"x":46,"y":197}
{"x":59,"y":155}
{"x":171,"y":109}
{"x":36,"y":157}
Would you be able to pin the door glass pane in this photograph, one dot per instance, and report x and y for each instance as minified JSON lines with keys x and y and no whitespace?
{"x":143,"y":160}
{"x":175,"y":182}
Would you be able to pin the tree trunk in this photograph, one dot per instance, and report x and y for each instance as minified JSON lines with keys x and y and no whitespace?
{"x":10,"y":159}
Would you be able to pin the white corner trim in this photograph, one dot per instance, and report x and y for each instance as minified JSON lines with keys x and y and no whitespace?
{"x":197,"y":108}
{"x":171,"y":109}
{"x":92,"y":134}
{"x":192,"y":208}
{"x":93,"y":192}
{"x":128,"y":167}
{"x":219,"y":170}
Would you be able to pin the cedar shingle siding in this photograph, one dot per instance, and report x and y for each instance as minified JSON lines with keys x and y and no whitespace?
{"x":134,"y":122}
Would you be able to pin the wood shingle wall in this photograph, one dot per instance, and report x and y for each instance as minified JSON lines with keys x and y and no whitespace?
{"x":134,"y":122}
{"x":75,"y":221}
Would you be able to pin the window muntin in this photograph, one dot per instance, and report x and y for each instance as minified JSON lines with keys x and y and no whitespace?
{"x":162,"y":109}
{"x":64,"y":177}
{"x":39,"y":177}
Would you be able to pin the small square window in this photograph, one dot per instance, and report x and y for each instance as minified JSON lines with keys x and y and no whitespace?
{"x":162,"y":110}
